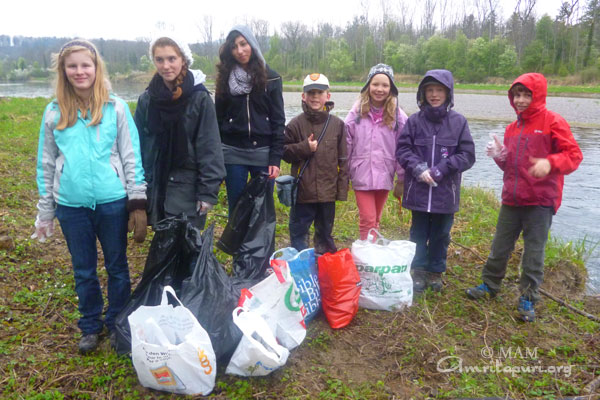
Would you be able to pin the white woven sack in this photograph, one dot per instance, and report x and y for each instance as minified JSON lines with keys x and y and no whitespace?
{"x":258,"y":352}
{"x":170,"y":350}
{"x":277,"y":299}
{"x":384,"y":268}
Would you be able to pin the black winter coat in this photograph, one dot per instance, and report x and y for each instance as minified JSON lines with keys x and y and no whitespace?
{"x":254,"y":120}
{"x":200,"y":177}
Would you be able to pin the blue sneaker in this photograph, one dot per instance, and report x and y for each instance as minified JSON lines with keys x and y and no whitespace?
{"x":481,"y":291}
{"x":526,"y":311}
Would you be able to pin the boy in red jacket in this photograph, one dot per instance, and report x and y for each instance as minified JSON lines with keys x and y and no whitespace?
{"x":539,"y":149}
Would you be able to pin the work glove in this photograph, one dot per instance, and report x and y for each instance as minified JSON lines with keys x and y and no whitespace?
{"x":399,"y":188}
{"x":426,"y":177}
{"x":138,"y":221}
{"x":202,"y":207}
{"x":43,"y":229}
{"x":495,"y":149}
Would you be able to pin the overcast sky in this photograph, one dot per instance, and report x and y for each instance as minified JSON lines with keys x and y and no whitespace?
{"x":131,"y":19}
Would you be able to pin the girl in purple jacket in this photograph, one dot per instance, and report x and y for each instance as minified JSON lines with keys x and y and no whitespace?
{"x":435,"y":147}
{"x":374,"y":125}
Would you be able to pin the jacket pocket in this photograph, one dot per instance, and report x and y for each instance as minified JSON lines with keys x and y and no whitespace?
{"x":181,"y":192}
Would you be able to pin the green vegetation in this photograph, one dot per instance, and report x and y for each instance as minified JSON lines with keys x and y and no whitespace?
{"x":380,"y":355}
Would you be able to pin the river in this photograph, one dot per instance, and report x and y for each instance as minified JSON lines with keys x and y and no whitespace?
{"x":577,"y":218}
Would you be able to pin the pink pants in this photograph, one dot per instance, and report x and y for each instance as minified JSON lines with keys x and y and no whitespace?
{"x":370,"y":206}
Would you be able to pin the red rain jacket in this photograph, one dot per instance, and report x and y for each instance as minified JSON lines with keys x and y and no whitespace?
{"x":538,"y":133}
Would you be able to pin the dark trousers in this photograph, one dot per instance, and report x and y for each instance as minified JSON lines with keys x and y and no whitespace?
{"x":534,"y":222}
{"x":81,"y":226}
{"x":431,"y":233}
{"x":236,"y":179}
{"x":302,"y":216}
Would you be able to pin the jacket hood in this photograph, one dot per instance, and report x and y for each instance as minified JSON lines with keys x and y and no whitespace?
{"x":247,"y":33}
{"x":199,"y":76}
{"x":317,"y":116}
{"x":538,"y":86}
{"x":441,"y":76}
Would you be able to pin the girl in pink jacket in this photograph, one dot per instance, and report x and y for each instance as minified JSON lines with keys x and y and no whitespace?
{"x":374,"y":125}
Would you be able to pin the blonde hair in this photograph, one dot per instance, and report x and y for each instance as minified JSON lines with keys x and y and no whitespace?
{"x":389,"y":107}
{"x":68,"y":101}
{"x":164,"y":42}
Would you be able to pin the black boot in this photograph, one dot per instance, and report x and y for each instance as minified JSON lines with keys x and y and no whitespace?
{"x":434,"y":281}
{"x":419,"y":280}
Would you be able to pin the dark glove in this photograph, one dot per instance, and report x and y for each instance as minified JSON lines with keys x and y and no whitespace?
{"x":436,"y":174}
{"x":137,"y":219}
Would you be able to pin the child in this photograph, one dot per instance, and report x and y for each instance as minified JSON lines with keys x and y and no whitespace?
{"x":179,"y":136}
{"x":325,"y":179}
{"x":374,"y":124}
{"x":90,"y":177}
{"x":434,"y":148}
{"x":539,"y":149}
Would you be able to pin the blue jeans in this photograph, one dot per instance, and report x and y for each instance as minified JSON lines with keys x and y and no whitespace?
{"x":236,"y":179}
{"x":431,"y":233}
{"x":81,"y":226}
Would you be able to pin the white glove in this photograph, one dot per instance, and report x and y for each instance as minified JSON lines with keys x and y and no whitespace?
{"x":43,"y":229}
{"x":426,"y":177}
{"x":202,"y":207}
{"x":495,"y":149}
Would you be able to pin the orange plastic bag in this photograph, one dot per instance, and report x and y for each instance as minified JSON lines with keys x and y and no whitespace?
{"x":340,"y":287}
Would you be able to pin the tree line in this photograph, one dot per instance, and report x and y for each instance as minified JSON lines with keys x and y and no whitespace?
{"x":467,"y":37}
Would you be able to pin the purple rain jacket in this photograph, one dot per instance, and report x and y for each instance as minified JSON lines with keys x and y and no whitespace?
{"x":438,"y":139}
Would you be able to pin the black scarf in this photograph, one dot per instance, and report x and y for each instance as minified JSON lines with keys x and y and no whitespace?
{"x":165,"y":123}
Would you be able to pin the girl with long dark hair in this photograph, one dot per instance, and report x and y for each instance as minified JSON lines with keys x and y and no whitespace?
{"x":250,"y":113}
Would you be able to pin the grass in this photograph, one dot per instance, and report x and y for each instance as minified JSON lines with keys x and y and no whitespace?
{"x":380,"y":355}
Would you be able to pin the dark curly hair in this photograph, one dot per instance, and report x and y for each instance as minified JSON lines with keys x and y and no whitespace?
{"x":256,"y":67}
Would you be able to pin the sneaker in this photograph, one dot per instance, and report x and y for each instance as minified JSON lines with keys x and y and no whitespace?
{"x":526,"y":311}
{"x":88,"y":343}
{"x":434,"y":281}
{"x":419,"y":280}
{"x":481,"y":291}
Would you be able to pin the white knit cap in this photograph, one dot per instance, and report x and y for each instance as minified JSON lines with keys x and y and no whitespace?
{"x":182,"y":44}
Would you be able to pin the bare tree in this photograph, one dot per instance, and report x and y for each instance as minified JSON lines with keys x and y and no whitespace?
{"x":206,"y":30}
{"x":524,"y":9}
{"x":427,"y":21}
{"x":260,"y":28}
{"x":444,"y":10}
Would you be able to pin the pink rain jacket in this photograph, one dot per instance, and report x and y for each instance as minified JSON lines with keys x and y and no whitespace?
{"x":371,"y":150}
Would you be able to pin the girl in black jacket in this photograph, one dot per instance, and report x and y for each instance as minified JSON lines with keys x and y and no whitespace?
{"x":179,"y":136}
{"x":250,"y":114}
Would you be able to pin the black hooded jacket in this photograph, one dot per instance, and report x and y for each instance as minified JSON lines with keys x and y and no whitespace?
{"x":254,"y":120}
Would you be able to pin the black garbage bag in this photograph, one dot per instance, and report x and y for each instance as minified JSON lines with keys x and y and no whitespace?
{"x":250,"y":233}
{"x":210,"y":295}
{"x":172,"y":256}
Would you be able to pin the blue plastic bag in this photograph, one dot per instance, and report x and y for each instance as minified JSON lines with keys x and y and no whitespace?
{"x":303,"y":267}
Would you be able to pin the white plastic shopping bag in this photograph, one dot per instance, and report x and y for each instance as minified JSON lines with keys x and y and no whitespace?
{"x":258,"y":353}
{"x":384,"y":268}
{"x":277,"y":299}
{"x":170,"y":350}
